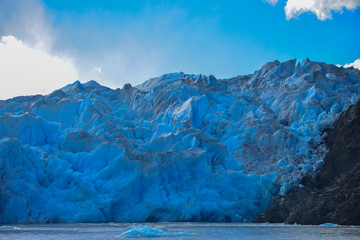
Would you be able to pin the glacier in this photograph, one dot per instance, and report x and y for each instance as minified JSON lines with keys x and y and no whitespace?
{"x":179,"y":147}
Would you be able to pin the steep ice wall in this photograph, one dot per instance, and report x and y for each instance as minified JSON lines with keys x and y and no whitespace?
{"x":176,"y":148}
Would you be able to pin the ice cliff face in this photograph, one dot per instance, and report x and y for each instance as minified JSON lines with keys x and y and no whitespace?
{"x":176,"y":148}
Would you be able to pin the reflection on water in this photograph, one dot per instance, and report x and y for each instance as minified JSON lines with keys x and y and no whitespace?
{"x":177,"y":231}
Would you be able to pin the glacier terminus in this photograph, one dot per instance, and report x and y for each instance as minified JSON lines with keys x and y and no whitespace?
{"x":179,"y":147}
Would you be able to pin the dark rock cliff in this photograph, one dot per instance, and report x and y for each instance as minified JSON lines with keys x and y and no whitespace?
{"x":334,"y":195}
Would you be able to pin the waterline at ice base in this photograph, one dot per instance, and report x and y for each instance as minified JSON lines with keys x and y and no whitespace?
{"x":178,"y":147}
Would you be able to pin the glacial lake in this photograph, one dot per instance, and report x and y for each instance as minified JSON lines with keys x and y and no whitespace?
{"x":179,"y":231}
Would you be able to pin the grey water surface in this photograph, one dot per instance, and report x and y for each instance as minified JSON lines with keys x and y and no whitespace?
{"x":164,"y":231}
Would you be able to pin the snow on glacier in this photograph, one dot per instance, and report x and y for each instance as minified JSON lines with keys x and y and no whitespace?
{"x":178,"y":147}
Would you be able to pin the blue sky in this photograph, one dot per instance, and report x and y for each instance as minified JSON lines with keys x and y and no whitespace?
{"x":116,"y":42}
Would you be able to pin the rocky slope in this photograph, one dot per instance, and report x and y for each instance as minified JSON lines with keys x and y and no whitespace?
{"x":179,"y":147}
{"x":333,"y":196}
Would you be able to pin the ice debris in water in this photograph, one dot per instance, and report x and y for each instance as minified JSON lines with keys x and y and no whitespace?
{"x":145,"y":231}
{"x":329,"y":225}
{"x":178,"y":147}
{"x":9,"y":228}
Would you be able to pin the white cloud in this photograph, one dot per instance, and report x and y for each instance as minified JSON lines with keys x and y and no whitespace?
{"x":355,"y":64}
{"x":30,"y":65}
{"x":25,"y":70}
{"x":97,"y":69}
{"x":321,"y":8}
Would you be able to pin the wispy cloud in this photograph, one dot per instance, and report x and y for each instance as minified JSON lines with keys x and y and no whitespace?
{"x":273,"y":2}
{"x":321,"y":8}
{"x":27,"y":20}
{"x":141,"y":46}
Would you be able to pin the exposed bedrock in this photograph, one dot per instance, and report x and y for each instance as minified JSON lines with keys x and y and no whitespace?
{"x":334,"y":195}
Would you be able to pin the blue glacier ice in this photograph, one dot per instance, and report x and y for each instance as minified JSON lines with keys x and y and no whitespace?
{"x":329,"y":225}
{"x":146,"y":231}
{"x":178,"y":147}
